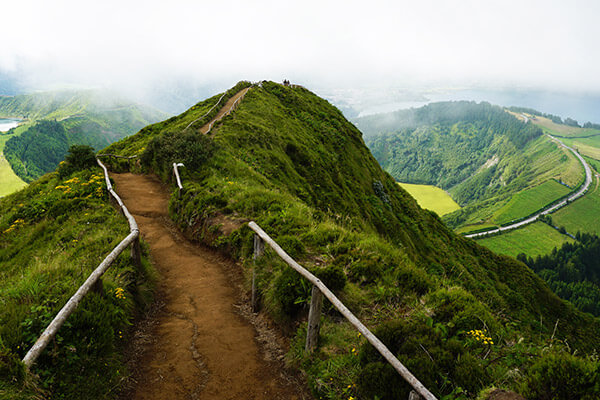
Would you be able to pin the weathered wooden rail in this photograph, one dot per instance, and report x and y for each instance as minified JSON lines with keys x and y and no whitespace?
{"x":318,"y":291}
{"x":116,"y":156}
{"x":177,"y":178}
{"x":131,"y":240}
{"x":208,"y":112}
{"x":233,"y":107}
{"x":314,"y":314}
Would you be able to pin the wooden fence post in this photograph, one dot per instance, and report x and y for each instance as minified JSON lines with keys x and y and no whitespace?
{"x":136,"y":252}
{"x":314,"y":319}
{"x":413,"y":395}
{"x":259,"y":249}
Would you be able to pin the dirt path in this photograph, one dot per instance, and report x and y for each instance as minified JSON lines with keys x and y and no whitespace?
{"x":225,"y":109}
{"x":201,"y":347}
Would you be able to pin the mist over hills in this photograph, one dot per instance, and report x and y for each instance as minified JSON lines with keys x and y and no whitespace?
{"x":55,"y":120}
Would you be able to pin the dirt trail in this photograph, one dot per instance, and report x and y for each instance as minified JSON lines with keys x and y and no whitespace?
{"x":201,"y":347}
{"x":225,"y":109}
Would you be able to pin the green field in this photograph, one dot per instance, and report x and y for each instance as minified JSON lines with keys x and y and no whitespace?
{"x":9,"y":182}
{"x":533,"y":239}
{"x":431,"y":197}
{"x":583,"y":214}
{"x":531,"y":200}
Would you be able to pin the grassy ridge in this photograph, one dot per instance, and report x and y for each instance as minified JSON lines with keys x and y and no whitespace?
{"x":52,"y":235}
{"x":431,"y":198}
{"x":290,"y":161}
{"x":533,"y":240}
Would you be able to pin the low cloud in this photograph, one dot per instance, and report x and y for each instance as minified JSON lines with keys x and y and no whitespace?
{"x":134,"y":45}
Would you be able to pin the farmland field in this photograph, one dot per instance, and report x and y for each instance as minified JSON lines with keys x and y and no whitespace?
{"x":534,"y":239}
{"x":583,"y":214}
{"x":431,"y":198}
{"x":9,"y":182}
{"x":531,"y":200}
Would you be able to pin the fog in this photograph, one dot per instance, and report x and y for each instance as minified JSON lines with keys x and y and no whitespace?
{"x":198,"y":47}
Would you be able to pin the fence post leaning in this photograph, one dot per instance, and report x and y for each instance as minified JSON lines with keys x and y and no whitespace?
{"x":259,"y":249}
{"x":314,"y":319}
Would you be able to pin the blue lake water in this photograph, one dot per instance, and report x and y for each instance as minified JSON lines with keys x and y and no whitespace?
{"x":8,"y":123}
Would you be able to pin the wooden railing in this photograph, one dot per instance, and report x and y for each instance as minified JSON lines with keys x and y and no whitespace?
{"x":314,"y":314}
{"x":233,"y":107}
{"x":318,"y":291}
{"x":95,"y":277}
{"x":177,"y":178}
{"x":116,"y":156}
{"x":208,"y":112}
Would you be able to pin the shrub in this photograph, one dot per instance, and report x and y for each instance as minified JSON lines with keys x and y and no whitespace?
{"x":190,"y":148}
{"x":291,"y":291}
{"x":79,"y":157}
{"x":562,"y":376}
{"x":332,"y":276}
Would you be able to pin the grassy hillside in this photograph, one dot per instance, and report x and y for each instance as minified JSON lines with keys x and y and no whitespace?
{"x":290,"y":161}
{"x":431,"y":198}
{"x":479,"y":153}
{"x":52,"y":235}
{"x":56,"y":120}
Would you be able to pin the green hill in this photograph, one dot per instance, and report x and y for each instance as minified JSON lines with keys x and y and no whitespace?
{"x":290,"y":161}
{"x":56,"y":120}
{"x":481,"y":154}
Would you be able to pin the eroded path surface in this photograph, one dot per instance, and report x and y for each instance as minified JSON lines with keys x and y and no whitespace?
{"x":201,"y":347}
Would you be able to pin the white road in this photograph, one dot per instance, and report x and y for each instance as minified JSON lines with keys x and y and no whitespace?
{"x":551,"y":209}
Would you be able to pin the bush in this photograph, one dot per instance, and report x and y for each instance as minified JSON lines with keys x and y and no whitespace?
{"x":291,"y":291}
{"x":80,"y":157}
{"x":332,"y":276}
{"x":190,"y":148}
{"x":559,"y":376}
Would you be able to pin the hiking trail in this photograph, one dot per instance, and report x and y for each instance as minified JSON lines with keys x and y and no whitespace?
{"x":200,"y":347}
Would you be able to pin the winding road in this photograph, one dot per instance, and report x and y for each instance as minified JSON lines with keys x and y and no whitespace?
{"x":551,"y":209}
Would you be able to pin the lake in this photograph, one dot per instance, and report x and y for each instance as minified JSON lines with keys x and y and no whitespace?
{"x":8,"y":123}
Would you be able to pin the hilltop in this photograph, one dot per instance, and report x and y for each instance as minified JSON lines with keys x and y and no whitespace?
{"x":290,"y":161}
{"x":55,"y":120}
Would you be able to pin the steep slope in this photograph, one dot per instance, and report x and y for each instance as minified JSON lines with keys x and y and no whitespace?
{"x":56,"y":120}
{"x":478,"y":152}
{"x":53,"y":234}
{"x":290,"y":161}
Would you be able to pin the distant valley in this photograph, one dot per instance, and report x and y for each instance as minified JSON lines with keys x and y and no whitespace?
{"x":49,"y":122}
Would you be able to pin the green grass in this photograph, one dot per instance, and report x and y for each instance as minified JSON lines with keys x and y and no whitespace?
{"x":9,"y":181}
{"x":583,"y":214}
{"x":533,"y":239}
{"x":431,"y":198}
{"x":531,"y":200}
{"x":52,"y":235}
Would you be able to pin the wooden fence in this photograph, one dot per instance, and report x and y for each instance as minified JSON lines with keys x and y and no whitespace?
{"x":131,"y":240}
{"x":208,"y":112}
{"x":314,"y":314}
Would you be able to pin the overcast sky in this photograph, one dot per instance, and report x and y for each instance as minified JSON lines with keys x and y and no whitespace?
{"x":130,"y":43}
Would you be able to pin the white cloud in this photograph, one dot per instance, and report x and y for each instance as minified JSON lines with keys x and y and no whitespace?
{"x":551,"y":44}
